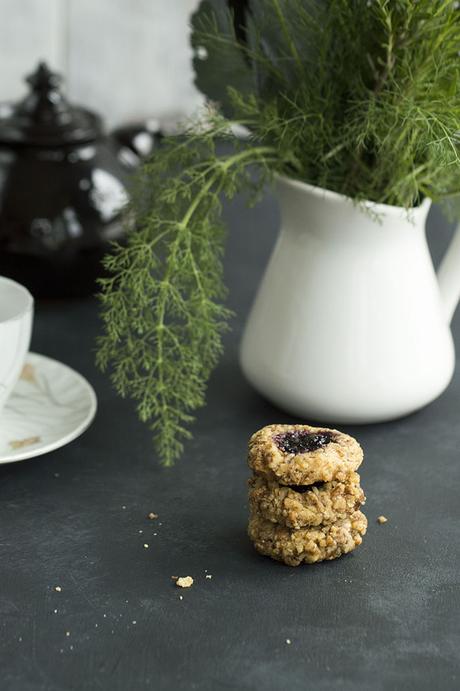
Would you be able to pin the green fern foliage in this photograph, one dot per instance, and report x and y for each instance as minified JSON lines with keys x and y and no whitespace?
{"x":365,"y":94}
{"x":359,"y":96}
{"x":162,"y":304}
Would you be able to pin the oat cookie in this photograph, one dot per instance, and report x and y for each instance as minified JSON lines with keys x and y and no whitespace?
{"x":303,"y":455}
{"x":307,"y":544}
{"x":305,"y":505}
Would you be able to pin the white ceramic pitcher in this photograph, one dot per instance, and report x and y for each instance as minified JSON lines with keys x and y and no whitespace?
{"x":350,"y":323}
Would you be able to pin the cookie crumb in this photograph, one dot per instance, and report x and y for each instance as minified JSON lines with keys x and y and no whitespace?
{"x":123,"y":507}
{"x":57,"y":588}
{"x":55,"y":611}
{"x":67,"y":633}
{"x":181,"y":597}
{"x":152,"y":516}
{"x":208,"y":575}
{"x":288,"y":641}
{"x":174,"y":578}
{"x":146,"y":545}
{"x":134,"y":622}
{"x":184,"y":582}
{"x":382,"y":519}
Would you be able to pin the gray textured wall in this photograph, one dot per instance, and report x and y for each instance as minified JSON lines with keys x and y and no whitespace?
{"x":126,"y":58}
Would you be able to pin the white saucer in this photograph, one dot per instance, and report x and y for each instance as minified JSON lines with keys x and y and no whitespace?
{"x":50,"y":406}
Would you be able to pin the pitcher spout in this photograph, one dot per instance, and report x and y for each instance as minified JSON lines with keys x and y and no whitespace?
{"x":449,"y":276}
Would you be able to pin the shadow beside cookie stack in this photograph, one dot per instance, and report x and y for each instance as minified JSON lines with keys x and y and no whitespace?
{"x":305,"y":493}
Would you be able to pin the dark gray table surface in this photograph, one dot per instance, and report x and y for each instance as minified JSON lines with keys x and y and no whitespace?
{"x":385,"y":617}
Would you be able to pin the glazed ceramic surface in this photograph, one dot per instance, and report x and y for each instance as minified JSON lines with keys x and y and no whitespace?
{"x":350,"y":323}
{"x":63,"y":185}
{"x":50,"y":406}
{"x":16,"y":316}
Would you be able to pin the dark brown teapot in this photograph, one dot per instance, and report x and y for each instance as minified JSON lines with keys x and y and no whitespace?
{"x":63,"y":184}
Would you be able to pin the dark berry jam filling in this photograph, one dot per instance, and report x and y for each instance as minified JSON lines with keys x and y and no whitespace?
{"x":301,"y":489}
{"x":301,"y":441}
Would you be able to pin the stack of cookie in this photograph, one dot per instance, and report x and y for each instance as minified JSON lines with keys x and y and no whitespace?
{"x":305,"y":493}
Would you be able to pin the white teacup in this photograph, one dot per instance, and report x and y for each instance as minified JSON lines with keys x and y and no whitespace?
{"x":16,"y":317}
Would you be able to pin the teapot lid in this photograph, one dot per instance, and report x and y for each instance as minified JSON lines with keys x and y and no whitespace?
{"x":45,"y":118}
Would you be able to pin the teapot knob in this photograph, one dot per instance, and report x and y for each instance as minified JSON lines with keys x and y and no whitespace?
{"x":44,"y":117}
{"x":43,"y":80}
